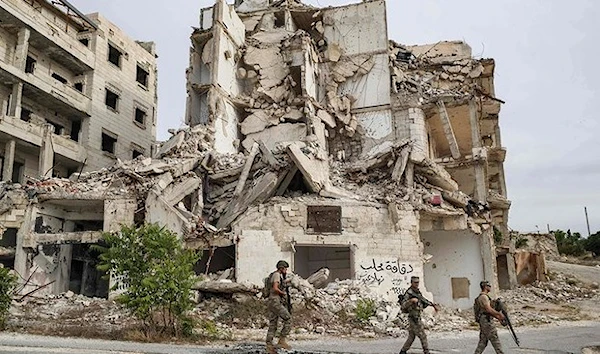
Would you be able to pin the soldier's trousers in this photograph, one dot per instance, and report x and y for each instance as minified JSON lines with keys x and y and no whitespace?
{"x":277,"y":309}
{"x":415,"y":329}
{"x":488,"y":332}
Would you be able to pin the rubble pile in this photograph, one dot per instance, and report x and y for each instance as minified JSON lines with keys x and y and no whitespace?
{"x":562,"y":291}
{"x":69,"y":314}
{"x":433,"y":76}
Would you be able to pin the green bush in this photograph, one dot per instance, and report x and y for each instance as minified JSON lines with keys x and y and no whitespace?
{"x":158,"y":274}
{"x":8,"y":282}
{"x":521,"y":242}
{"x":365,"y":309}
{"x":498,"y":236}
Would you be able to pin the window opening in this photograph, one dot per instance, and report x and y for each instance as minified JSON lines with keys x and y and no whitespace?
{"x":324,"y":219}
{"x":114,"y":55}
{"x":142,"y":76}
{"x":108,"y":143}
{"x":112,"y":100}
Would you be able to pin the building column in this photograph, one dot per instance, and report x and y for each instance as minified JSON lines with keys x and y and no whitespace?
{"x":46,"y":161}
{"x":9,"y":160}
{"x":14,"y":106}
{"x":22,"y":48}
{"x":488,"y":255}
{"x":481,"y":183}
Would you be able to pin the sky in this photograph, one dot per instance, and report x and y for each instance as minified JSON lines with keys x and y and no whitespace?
{"x":546,"y":70}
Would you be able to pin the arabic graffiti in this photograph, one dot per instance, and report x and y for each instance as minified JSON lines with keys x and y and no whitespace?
{"x":391,"y":272}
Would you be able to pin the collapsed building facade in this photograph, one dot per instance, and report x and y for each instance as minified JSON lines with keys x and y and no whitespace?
{"x":315,"y":139}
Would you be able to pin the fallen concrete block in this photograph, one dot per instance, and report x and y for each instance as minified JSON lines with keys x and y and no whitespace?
{"x":272,"y":136}
{"x":171,"y":144}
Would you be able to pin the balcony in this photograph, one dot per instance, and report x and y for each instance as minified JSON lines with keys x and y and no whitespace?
{"x":33,"y":134}
{"x":48,"y":92}
{"x":61,"y":46}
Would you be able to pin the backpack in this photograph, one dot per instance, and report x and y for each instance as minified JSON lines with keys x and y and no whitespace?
{"x":477,"y":310}
{"x":401,"y":302}
{"x":267,"y":285}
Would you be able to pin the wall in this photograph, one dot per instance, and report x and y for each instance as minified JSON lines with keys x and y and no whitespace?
{"x":456,"y":254}
{"x":386,"y":249}
{"x":132,"y":95}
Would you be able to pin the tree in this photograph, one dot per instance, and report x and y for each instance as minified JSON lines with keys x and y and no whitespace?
{"x":569,"y":243}
{"x":592,"y":243}
{"x":8,"y":282}
{"x":158,"y":275}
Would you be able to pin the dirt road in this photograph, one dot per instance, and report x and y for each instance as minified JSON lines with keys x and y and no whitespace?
{"x":586,"y":274}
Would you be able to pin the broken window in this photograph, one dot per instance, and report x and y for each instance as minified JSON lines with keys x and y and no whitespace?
{"x":135,"y":153}
{"x":324,"y":219}
{"x":8,"y":247}
{"x":108,"y":143}
{"x":85,"y":278}
{"x":75,"y":129}
{"x":85,"y":41}
{"x":58,"y":129}
{"x":219,"y":260}
{"x":114,"y":55}
{"x":30,"y":65}
{"x":309,"y":259}
{"x":78,"y":86}
{"x":25,"y":114}
{"x":111,"y":100}
{"x":142,"y":76}
{"x":140,"y":116}
{"x":59,"y":78}
{"x":17,"y":176}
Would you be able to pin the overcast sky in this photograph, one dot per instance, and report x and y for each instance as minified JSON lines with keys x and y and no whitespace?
{"x":547,"y":71}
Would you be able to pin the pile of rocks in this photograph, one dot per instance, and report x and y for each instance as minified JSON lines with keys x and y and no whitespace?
{"x":68,"y":313}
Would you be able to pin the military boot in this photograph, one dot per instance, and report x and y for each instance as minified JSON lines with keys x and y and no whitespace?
{"x":271,"y":349}
{"x":283,"y":344}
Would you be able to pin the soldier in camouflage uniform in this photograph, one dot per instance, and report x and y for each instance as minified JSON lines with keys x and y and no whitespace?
{"x":413,"y":303}
{"x":483,"y":315}
{"x":277,"y":308}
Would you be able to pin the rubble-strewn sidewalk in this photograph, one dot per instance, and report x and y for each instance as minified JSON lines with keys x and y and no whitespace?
{"x":326,"y":311}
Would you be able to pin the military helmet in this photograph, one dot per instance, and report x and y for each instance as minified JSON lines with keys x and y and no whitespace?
{"x":282,"y":264}
{"x":483,"y":284}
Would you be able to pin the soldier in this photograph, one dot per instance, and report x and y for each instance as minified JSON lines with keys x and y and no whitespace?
{"x":483,"y":315}
{"x":277,"y":306}
{"x":413,"y":303}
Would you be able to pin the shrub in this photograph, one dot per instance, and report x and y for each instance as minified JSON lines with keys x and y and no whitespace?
{"x":8,"y":282}
{"x":365,"y":309}
{"x":158,"y":274}
{"x":498,"y":236}
{"x":521,"y":242}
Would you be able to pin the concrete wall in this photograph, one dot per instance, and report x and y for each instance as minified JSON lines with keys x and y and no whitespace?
{"x":132,"y":95}
{"x":386,"y":249}
{"x":456,"y":254}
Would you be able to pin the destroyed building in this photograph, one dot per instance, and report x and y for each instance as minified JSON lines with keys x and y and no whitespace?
{"x":313,"y":138}
{"x":76,"y":91}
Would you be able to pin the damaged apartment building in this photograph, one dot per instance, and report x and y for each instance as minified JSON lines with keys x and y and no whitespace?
{"x":313,"y":138}
{"x":76,"y":93}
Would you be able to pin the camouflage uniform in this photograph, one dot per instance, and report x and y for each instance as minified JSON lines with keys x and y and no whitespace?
{"x":415,"y":328}
{"x":277,"y":308}
{"x":487,"y":329}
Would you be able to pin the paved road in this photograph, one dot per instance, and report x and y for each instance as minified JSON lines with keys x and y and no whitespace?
{"x":567,"y":338}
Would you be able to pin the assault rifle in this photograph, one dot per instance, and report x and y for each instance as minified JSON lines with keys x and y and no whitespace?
{"x":287,"y":292}
{"x":501,"y":307}
{"x":412,"y":294}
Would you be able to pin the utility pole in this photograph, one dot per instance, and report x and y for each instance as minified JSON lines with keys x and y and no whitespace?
{"x":587,"y":220}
